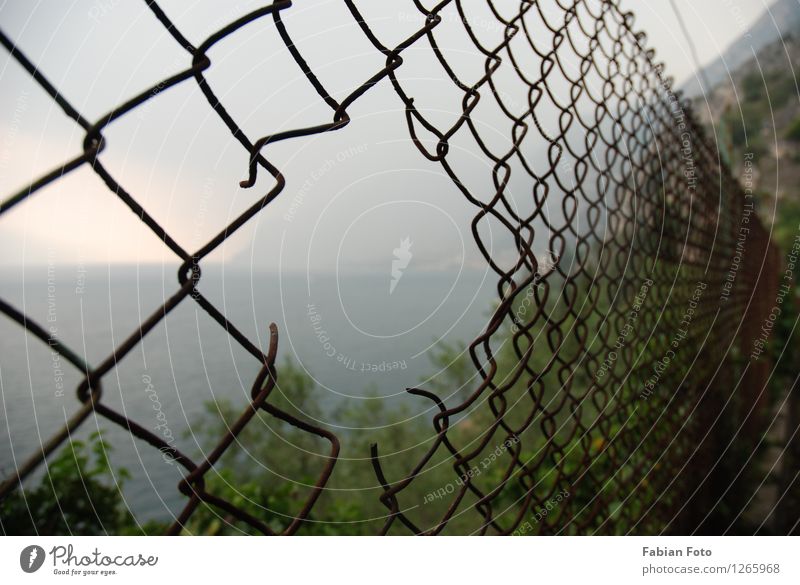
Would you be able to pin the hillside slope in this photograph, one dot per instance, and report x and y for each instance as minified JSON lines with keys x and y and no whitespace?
{"x":759,"y":113}
{"x":780,"y":19}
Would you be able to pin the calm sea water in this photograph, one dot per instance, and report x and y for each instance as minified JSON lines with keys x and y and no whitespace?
{"x":352,"y":335}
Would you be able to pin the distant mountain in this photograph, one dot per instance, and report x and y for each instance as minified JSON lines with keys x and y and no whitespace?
{"x":780,"y":19}
{"x":754,"y":118}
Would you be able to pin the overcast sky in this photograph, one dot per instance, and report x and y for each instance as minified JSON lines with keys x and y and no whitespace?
{"x":712,"y":24}
{"x":352,"y":195}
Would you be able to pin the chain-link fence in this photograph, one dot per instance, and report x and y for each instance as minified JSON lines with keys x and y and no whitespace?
{"x":616,"y":368}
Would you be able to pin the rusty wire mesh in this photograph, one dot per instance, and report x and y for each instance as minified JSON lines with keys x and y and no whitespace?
{"x":624,"y":348}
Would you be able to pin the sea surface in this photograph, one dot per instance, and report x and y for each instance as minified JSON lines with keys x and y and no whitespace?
{"x":354,"y":336}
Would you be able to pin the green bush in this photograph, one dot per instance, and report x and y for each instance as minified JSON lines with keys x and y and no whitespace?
{"x":793,"y":131}
{"x":78,"y":495}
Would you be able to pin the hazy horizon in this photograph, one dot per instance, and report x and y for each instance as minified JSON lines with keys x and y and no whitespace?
{"x":182,"y":165}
